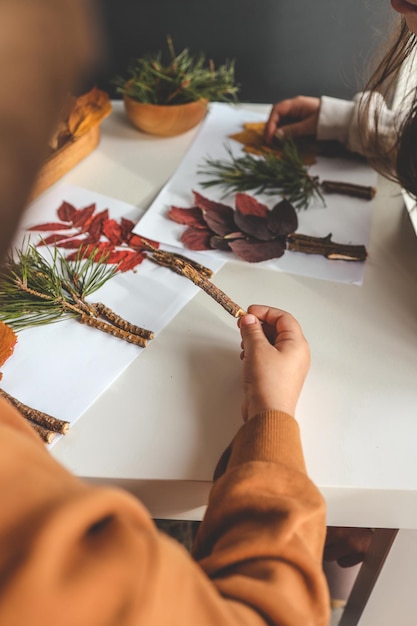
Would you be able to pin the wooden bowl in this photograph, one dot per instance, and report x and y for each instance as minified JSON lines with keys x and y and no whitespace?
{"x":165,"y":120}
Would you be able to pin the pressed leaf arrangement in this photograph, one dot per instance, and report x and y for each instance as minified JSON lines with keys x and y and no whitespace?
{"x":35,"y":290}
{"x":103,"y":239}
{"x":86,"y":230}
{"x":182,"y":78}
{"x":253,"y":231}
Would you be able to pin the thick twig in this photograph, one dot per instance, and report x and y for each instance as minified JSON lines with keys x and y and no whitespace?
{"x":104,"y":311}
{"x":38,"y":417}
{"x":326,"y":247}
{"x":46,"y":435}
{"x":94,"y":322}
{"x":348,"y":189}
{"x":86,"y":314}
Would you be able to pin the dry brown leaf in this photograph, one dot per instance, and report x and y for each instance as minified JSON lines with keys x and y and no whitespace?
{"x":88,"y":111}
{"x":79,"y":115}
{"x":8,"y":339}
{"x":252,"y":138}
{"x":258,"y":127}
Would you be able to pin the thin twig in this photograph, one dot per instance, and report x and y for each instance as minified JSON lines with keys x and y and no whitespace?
{"x":185,"y":269}
{"x":38,"y":417}
{"x":171,"y":256}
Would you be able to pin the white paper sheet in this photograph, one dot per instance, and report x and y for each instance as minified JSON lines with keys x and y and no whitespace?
{"x":348,"y":219}
{"x":411,"y":206}
{"x":61,"y":368}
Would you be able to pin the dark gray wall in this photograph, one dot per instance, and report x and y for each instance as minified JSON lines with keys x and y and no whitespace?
{"x":282,"y":48}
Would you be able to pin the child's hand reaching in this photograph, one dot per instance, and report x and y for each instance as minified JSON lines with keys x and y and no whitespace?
{"x":276,"y":359}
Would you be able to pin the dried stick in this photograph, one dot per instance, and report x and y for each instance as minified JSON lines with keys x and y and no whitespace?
{"x":46,"y":435}
{"x":197,"y":273}
{"x":113,"y":330}
{"x":205,"y":271}
{"x":86,"y":315}
{"x":348,"y":189}
{"x":104,"y":311}
{"x":38,"y":417}
{"x":183,"y":268}
{"x":326,"y":247}
{"x":171,"y":256}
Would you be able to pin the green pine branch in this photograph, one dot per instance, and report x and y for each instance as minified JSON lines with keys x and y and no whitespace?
{"x":269,"y":174}
{"x":35,"y":290}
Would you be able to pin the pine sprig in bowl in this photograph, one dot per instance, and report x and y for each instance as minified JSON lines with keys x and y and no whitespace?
{"x":168,"y":97}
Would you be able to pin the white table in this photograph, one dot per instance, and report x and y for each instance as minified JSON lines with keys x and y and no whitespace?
{"x":160,"y":428}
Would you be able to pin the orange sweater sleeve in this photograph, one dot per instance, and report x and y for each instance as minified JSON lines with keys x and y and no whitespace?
{"x":75,"y":554}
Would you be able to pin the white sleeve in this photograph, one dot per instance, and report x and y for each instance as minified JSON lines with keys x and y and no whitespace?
{"x":338,"y":120}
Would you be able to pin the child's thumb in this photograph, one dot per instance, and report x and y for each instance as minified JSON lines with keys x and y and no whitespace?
{"x":251,"y":331}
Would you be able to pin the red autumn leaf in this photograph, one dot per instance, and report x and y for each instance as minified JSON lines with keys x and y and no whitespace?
{"x":66,"y":212}
{"x":204,"y":203}
{"x":253,"y":225}
{"x":219,"y":243}
{"x":218,"y":216}
{"x":197,"y":238}
{"x":235,"y":235}
{"x":125,"y":259}
{"x":102,"y":250}
{"x":140,"y":243}
{"x":77,"y":243}
{"x":87,"y":251}
{"x":248,"y":205}
{"x":82,"y":215}
{"x":283,"y":220}
{"x":111,"y":229}
{"x":136,"y":241}
{"x":130,"y":261}
{"x":86,"y":225}
{"x":151,"y":242}
{"x":95,"y":226}
{"x":126,"y":227}
{"x":101,"y":255}
{"x":55,"y":239}
{"x":51,"y":226}
{"x":188,"y":217}
{"x":116,"y":256}
{"x":220,"y":220}
{"x":255,"y":251}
